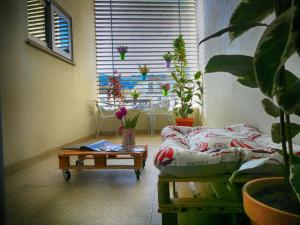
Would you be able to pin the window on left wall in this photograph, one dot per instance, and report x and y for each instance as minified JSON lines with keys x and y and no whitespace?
{"x":50,"y":28}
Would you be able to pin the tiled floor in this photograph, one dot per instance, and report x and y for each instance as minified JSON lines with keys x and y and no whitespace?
{"x":39,"y":195}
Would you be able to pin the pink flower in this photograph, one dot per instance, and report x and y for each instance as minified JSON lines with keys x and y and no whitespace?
{"x":119,"y":115}
{"x":123,"y":110}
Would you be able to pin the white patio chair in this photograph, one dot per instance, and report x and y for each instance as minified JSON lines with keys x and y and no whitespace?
{"x":103,"y":114}
{"x":164,"y":108}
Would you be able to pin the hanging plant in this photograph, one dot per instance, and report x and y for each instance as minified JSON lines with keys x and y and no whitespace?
{"x":135,"y":94}
{"x":165,"y":89}
{"x":122,"y":51}
{"x":168,"y":58}
{"x":144,"y":70}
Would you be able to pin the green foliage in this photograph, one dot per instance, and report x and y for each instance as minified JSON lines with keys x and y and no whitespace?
{"x":244,"y":14}
{"x":185,"y":88}
{"x":131,"y":123}
{"x":238,"y":65}
{"x":234,"y":30}
{"x":167,"y":56}
{"x":266,"y":70}
{"x":276,"y":134}
{"x":270,"y":108}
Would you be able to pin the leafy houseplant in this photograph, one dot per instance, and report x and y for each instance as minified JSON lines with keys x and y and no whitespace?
{"x":122,"y":51}
{"x":184,"y":87}
{"x":144,"y":70}
{"x":127,"y":127}
{"x":168,"y":58}
{"x":266,"y":71}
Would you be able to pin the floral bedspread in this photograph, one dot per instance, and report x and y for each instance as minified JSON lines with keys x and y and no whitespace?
{"x":199,"y":151}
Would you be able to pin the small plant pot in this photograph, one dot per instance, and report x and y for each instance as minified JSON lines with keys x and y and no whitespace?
{"x":168,"y":64}
{"x":144,"y":76}
{"x":122,"y":55}
{"x":187,"y":122}
{"x":128,"y":136}
{"x":164,"y":92}
{"x":260,"y":213}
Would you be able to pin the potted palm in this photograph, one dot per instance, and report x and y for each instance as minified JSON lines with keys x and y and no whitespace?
{"x":266,"y":71}
{"x":186,"y":89}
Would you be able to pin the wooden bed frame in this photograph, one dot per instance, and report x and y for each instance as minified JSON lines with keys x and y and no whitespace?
{"x":222,"y":198}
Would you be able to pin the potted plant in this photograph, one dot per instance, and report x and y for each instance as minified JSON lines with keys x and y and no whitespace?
{"x":122,"y":51}
{"x":168,"y":58}
{"x":185,"y":88}
{"x":135,"y":94}
{"x":144,"y":70}
{"x":127,"y":129}
{"x":266,"y":71}
{"x":165,"y":89}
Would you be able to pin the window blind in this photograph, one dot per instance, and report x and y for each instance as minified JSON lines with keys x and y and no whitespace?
{"x":148,"y":28}
{"x":36,"y":21}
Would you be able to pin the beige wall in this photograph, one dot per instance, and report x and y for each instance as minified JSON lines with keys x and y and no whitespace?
{"x":46,"y":102}
{"x":227,"y":101}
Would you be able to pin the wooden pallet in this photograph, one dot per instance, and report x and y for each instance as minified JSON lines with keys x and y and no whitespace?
{"x":205,"y":195}
{"x":100,"y":160}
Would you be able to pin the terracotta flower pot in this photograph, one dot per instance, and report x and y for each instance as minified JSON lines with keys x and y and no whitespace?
{"x":261,"y":214}
{"x":188,"y":122}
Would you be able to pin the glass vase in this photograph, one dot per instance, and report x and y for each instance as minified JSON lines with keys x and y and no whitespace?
{"x":128,"y":137}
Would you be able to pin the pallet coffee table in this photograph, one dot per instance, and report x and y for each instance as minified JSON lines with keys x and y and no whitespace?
{"x":100,"y":160}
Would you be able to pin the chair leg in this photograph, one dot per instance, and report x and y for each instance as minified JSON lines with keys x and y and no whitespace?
{"x":153,"y":125}
{"x":99,"y":127}
{"x":149,"y":123}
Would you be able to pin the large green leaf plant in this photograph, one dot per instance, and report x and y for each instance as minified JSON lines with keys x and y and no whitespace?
{"x":185,"y":88}
{"x":266,"y":69}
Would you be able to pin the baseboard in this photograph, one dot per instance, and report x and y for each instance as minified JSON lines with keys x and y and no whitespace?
{"x":23,"y":164}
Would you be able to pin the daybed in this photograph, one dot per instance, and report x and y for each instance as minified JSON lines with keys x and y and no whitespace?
{"x":222,"y":160}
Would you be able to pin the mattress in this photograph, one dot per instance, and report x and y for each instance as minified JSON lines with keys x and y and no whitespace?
{"x":236,"y":149}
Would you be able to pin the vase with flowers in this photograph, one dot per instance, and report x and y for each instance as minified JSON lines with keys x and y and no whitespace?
{"x":122,"y":51}
{"x":127,"y":129}
{"x":144,"y":70}
{"x":168,"y":58}
{"x":165,"y":89}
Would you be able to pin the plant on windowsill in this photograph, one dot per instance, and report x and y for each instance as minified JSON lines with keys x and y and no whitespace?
{"x":266,"y":71}
{"x":144,"y":70}
{"x":187,"y":90}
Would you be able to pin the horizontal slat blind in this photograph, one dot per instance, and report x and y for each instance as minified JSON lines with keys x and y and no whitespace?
{"x":36,"y":19}
{"x":147,"y":28}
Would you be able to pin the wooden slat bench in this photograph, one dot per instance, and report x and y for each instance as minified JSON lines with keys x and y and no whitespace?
{"x":206,"y":195}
